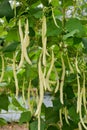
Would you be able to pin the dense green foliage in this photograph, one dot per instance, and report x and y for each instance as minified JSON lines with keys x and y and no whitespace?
{"x":59,"y":68}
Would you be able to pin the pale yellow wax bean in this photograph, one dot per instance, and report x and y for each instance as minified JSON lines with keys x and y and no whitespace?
{"x":3,"y":67}
{"x":62,"y":80}
{"x":41,"y":88}
{"x":15,"y":76}
{"x":44,"y":39}
{"x":78,"y":94}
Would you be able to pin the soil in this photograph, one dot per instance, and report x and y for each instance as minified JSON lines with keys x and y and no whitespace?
{"x":14,"y":127}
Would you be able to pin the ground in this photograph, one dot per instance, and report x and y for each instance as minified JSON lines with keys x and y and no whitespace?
{"x":14,"y":127}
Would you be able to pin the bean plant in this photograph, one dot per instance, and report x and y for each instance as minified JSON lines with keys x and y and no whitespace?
{"x":43,"y":50}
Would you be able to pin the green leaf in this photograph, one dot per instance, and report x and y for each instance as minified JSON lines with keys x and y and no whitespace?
{"x":5,"y":9}
{"x":31,"y":72}
{"x":73,"y":114}
{"x":45,"y":2}
{"x":17,"y":104}
{"x":4,"y":102}
{"x":43,"y":107}
{"x":25,"y":117}
{"x":12,"y":35}
{"x":34,"y":125}
{"x":1,"y":1}
{"x":72,"y":125}
{"x":11,"y":47}
{"x":71,"y":34}
{"x":84,"y":41}
{"x":74,"y":25}
{"x":2,"y":122}
{"x":52,"y":128}
{"x":31,"y":2}
{"x":36,"y":12}
{"x":8,"y":73}
{"x":35,"y":81}
{"x":66,"y":3}
{"x":77,"y":40}
{"x":69,"y":92}
{"x":70,"y":78}
{"x":55,"y":2}
{"x":51,"y":115}
{"x":32,"y":32}
{"x":56,"y":104}
{"x":1,"y":42}
{"x":3,"y":32}
{"x":52,"y":30}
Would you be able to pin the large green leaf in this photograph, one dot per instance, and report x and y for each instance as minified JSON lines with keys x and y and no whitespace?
{"x":71,"y":126}
{"x":69,"y":92}
{"x":70,"y":34}
{"x":52,"y":30}
{"x":56,"y":104}
{"x":2,"y":122}
{"x":16,"y":103}
{"x":4,"y":102}
{"x":6,"y":10}
{"x":25,"y":117}
{"x":12,"y":35}
{"x":73,"y":114}
{"x":37,"y":13}
{"x":11,"y":47}
{"x":75,"y":24}
{"x":34,"y":125}
{"x":51,"y":116}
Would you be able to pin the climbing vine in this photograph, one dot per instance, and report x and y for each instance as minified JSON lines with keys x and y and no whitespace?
{"x":43,"y":48}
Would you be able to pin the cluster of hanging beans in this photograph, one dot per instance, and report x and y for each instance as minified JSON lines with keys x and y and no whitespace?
{"x":44,"y":74}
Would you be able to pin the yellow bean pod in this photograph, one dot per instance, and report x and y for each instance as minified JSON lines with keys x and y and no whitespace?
{"x":44,"y":39}
{"x":66,"y":115}
{"x":15,"y":75}
{"x":25,"y":41}
{"x":78,"y":98}
{"x":41,"y":88}
{"x":84,"y":92}
{"x":49,"y":72}
{"x":62,"y":80}
{"x":80,"y":112}
{"x":70,"y":67}
{"x":3,"y":66}
{"x":60,"y":116}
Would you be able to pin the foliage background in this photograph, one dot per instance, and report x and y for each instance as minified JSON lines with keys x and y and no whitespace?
{"x":67,"y":34}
